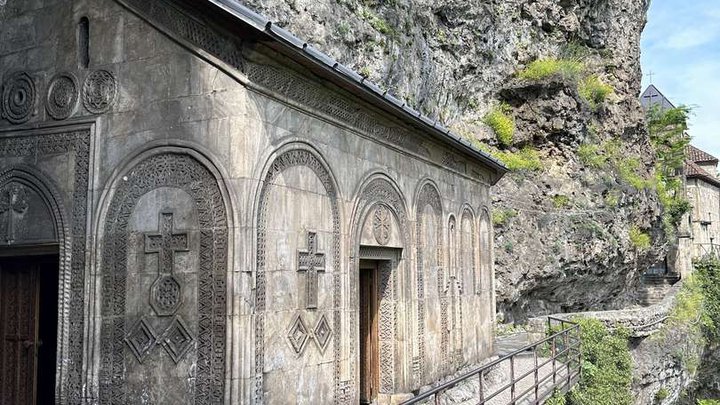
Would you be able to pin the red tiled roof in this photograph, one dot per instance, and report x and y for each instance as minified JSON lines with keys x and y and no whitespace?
{"x":699,"y":156}
{"x":692,"y":170}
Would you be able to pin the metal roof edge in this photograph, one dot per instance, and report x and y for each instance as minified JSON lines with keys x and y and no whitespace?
{"x":297,"y":45}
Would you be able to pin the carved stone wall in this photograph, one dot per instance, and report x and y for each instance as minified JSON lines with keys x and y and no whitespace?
{"x":298,"y":247}
{"x":378,"y":198}
{"x":153,"y":324}
{"x":58,"y":144}
{"x":430,"y":275}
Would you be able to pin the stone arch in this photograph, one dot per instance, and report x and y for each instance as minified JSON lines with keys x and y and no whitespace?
{"x":293,"y":155}
{"x":468,"y":250}
{"x":33,"y":179}
{"x":427,"y":198}
{"x":380,"y":191}
{"x":453,"y":292}
{"x":189,"y":171}
{"x":485,"y":253}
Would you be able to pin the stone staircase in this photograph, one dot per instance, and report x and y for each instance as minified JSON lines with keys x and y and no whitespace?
{"x":656,"y":288}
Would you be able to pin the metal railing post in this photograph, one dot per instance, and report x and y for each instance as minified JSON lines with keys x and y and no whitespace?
{"x":482,"y":391}
{"x":554,"y":351}
{"x":512,"y":381}
{"x":537,"y":387}
{"x":566,"y":339}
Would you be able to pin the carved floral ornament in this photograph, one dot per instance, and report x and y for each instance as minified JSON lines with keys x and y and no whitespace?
{"x":381,"y":223}
{"x":62,"y":96}
{"x":18,"y":98}
{"x":99,"y":91}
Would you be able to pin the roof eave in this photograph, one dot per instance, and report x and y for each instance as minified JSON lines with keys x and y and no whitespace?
{"x":301,"y":52}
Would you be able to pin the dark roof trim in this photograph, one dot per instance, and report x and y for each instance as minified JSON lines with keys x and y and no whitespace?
{"x":355,"y":81}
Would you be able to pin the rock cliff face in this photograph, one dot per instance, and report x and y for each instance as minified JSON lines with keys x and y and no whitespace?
{"x":562,"y":231}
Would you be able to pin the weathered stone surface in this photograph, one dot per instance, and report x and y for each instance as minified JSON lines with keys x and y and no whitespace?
{"x":455,"y":59}
{"x":211,"y":222}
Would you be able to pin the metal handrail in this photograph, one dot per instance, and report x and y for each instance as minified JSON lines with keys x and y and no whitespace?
{"x":570,"y":363}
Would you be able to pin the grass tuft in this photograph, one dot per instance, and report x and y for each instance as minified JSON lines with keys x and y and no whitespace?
{"x":639,"y":239}
{"x":544,"y":68}
{"x":501,"y":123}
{"x":594,"y":91}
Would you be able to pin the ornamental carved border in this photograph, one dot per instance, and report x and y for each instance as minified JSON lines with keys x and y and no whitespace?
{"x":288,"y":159}
{"x":178,"y":170}
{"x":429,"y":195}
{"x":72,"y":263}
{"x":380,"y":192}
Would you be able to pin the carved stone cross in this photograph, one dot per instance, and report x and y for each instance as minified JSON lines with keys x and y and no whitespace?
{"x":166,"y":291}
{"x":166,"y":243}
{"x":13,"y":200}
{"x":311,"y":261}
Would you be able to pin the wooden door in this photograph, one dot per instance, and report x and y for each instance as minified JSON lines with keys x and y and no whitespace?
{"x":369,"y":339}
{"x":19,"y":315}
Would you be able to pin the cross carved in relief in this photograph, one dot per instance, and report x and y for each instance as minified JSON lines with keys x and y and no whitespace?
{"x":13,"y":200}
{"x":165,"y":242}
{"x":311,"y":262}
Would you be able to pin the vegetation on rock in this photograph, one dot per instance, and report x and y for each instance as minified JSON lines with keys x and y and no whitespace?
{"x":639,"y":239}
{"x":543,"y":68}
{"x":606,"y":366}
{"x":501,"y":123}
{"x":500,"y":217}
{"x":661,"y":394}
{"x":594,"y":91}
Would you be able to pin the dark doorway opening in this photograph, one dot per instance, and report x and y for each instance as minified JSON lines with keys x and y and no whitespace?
{"x":369,"y":336}
{"x":28,"y":328}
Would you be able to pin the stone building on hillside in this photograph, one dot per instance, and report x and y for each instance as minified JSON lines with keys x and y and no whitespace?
{"x":703,"y":191}
{"x":198,"y":207}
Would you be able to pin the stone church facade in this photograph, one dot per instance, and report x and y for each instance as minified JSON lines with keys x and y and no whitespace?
{"x":195,"y":207}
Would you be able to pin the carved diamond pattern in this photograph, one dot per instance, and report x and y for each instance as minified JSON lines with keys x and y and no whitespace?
{"x":323,"y":333}
{"x":177,"y":339}
{"x":141,"y":339}
{"x":298,"y":335}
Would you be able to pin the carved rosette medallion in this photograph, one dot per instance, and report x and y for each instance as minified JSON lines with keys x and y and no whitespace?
{"x":381,"y":225}
{"x":166,"y":295}
{"x":99,"y":91}
{"x":62,"y":96}
{"x":18,"y":98}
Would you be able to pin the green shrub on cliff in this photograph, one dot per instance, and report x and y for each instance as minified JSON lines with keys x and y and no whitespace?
{"x":606,"y":366}
{"x":638,"y":238}
{"x":594,"y":91}
{"x":501,"y":123}
{"x":707,"y":272}
{"x":544,"y":68}
{"x":526,"y":158}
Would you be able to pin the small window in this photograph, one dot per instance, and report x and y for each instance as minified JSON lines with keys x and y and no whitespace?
{"x":84,"y":43}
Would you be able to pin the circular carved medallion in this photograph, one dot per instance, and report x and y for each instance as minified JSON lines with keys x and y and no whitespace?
{"x":165,"y":295}
{"x":18,"y":98}
{"x":381,"y":225}
{"x":99,"y":91}
{"x":62,"y":96}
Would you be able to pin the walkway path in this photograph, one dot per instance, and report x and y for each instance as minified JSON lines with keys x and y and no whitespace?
{"x":467,"y":392}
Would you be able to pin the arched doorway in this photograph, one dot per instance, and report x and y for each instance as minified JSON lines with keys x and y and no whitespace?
{"x":31,"y":228}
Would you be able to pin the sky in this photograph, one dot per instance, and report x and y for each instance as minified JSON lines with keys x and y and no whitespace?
{"x":681,"y":47}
